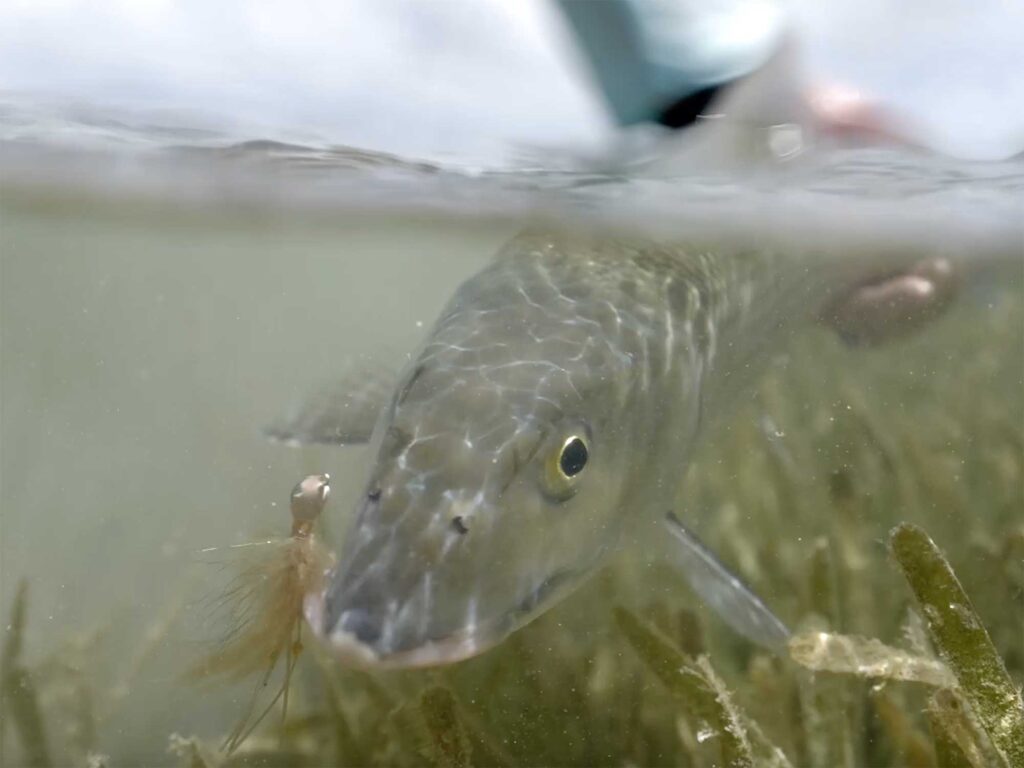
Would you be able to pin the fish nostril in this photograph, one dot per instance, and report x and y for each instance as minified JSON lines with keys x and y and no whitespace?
{"x":366,"y":628}
{"x":373,"y":494}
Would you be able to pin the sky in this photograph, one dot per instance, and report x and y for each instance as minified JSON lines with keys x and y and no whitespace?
{"x":480,"y":77}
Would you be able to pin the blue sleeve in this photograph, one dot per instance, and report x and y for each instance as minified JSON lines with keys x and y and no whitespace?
{"x":648,"y":54}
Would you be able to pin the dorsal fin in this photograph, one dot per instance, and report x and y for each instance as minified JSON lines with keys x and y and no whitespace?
{"x":343,"y":412}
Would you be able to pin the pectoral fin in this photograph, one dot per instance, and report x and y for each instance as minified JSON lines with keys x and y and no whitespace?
{"x":724,"y":592}
{"x":342,"y":413}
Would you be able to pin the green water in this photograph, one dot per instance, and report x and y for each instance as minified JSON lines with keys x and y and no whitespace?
{"x":143,"y":351}
{"x":143,"y":347}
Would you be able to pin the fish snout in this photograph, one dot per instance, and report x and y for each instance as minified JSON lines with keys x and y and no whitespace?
{"x":407,"y":581}
{"x":370,"y":627}
{"x":366,"y":618}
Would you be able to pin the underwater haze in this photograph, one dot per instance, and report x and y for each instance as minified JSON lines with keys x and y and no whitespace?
{"x":182,"y":268}
{"x":165,"y":298}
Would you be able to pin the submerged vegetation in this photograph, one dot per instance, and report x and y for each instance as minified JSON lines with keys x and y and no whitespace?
{"x":908,"y":647}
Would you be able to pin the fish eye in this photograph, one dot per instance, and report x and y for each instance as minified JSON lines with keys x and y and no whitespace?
{"x":574,"y":456}
{"x":563,"y":468}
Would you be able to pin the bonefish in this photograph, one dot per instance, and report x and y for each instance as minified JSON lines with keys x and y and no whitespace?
{"x":545,"y":424}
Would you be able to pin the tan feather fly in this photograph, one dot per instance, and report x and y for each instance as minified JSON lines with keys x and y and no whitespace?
{"x":265,"y":601}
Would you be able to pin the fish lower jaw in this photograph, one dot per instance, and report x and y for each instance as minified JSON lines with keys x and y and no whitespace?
{"x":347,"y":649}
{"x":351,"y":652}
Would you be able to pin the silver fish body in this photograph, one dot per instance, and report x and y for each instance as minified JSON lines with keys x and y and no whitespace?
{"x":545,"y":423}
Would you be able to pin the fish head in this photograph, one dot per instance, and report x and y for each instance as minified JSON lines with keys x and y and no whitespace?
{"x":501,"y":463}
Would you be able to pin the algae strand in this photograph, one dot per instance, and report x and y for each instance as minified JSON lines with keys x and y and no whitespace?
{"x":20,"y":704}
{"x":187,"y":750}
{"x":866,"y":657}
{"x":345,"y":743}
{"x":956,"y":743}
{"x":449,"y":745}
{"x":909,"y":744}
{"x":695,"y":685}
{"x":961,"y":639}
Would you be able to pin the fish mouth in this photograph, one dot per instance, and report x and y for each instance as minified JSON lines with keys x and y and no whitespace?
{"x":458,"y":646}
{"x":347,"y":648}
{"x":462,"y":644}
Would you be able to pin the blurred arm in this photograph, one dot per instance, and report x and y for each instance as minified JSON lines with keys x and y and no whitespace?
{"x":664,"y":61}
